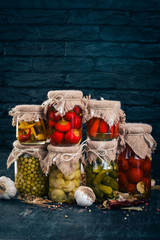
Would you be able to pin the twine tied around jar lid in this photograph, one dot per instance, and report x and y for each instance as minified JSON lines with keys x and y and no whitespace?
{"x":105,"y":150}
{"x":65,"y":158}
{"x":138,"y":137}
{"x":109,"y":111}
{"x":63,"y":101}
{"x":26,"y":113}
{"x":38,"y":151}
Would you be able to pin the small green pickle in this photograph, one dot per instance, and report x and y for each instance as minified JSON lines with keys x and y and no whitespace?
{"x":102,"y":178}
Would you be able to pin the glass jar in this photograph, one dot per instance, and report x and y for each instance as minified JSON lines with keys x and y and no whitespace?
{"x":135,"y":147}
{"x":101,"y":169}
{"x":66,"y":130}
{"x":103,"y":119}
{"x":32,"y":132}
{"x":98,"y":129}
{"x":29,"y":178}
{"x":30,"y":124}
{"x":63,"y":166}
{"x":61,"y":187}
{"x":134,"y":174}
{"x":64,"y":116}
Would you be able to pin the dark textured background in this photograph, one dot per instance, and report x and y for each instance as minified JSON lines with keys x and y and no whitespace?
{"x":107,"y":48}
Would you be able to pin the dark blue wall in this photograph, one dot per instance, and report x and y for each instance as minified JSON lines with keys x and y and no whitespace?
{"x":106,"y":48}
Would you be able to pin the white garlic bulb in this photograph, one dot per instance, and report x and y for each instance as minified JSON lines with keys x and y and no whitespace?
{"x":84,"y":196}
{"x":7,"y":188}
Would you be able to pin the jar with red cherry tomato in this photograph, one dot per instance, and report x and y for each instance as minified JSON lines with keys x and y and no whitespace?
{"x":64,"y":116}
{"x":134,"y":161}
{"x":103,"y":119}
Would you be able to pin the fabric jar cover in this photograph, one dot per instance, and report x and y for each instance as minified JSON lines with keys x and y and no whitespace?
{"x":63,"y":101}
{"x":65,"y":158}
{"x":105,"y":150}
{"x":109,"y":111}
{"x":39,"y":151}
{"x":26,"y":113}
{"x":138,"y":137}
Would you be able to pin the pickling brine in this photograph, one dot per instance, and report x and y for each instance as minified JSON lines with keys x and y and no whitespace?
{"x":29,"y":178}
{"x":62,"y":187}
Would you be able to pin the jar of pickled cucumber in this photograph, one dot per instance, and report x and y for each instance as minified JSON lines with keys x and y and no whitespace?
{"x":134,"y":161}
{"x":63,"y":110}
{"x":101,"y":168}
{"x":30,"y":124}
{"x":29,"y":178}
{"x":103,"y":118}
{"x":63,"y":166}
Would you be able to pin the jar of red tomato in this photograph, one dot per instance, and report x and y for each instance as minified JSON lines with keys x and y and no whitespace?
{"x":64,"y":116}
{"x":30,"y":124}
{"x":134,"y":161}
{"x":103,"y":118}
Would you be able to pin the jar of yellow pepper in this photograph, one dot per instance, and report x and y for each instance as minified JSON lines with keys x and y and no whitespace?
{"x":30,"y":124}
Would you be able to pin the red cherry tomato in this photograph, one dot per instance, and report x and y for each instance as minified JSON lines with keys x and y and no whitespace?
{"x":56,"y":137}
{"x":77,"y":122}
{"x":72,"y":136}
{"x":53,"y":115}
{"x":122,"y":180}
{"x":63,"y":125}
{"x":135,"y":163}
{"x":134,"y":175}
{"x":131,"y":188}
{"x":147,"y":167}
{"x":69,"y":116}
{"x":123,"y":165}
{"x":77,"y":110}
{"x":51,"y":123}
{"x":122,"y":155}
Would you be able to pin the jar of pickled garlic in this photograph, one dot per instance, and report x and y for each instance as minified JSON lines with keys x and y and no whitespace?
{"x":101,"y":168}
{"x":63,"y":166}
{"x":64,"y":116}
{"x":29,"y":178}
{"x":135,"y":146}
{"x":103,"y":118}
{"x":30,"y":124}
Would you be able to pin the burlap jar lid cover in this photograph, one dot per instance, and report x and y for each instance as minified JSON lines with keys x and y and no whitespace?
{"x":39,"y":151}
{"x":26,"y":113}
{"x":105,"y":150}
{"x":65,"y":158}
{"x":63,"y":101}
{"x":138,"y":137}
{"x":109,"y":111}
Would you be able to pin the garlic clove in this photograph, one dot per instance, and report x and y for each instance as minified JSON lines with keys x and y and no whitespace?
{"x":7,"y":188}
{"x":84,"y":196}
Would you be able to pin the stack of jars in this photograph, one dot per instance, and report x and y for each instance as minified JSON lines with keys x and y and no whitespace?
{"x":29,"y":150}
{"x":47,"y":152}
{"x":103,"y":122}
{"x":63,"y":110}
{"x":59,"y":119}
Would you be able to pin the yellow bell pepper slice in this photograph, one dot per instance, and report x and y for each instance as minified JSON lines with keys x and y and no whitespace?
{"x":25,"y":126}
{"x":40,"y":136}
{"x":33,"y":131}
